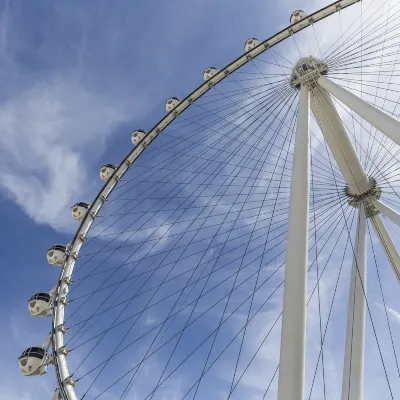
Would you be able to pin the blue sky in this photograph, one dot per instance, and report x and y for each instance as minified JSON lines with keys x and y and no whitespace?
{"x":77,"y":77}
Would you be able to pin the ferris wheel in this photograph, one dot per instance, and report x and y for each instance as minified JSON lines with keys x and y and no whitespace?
{"x":251,"y":211}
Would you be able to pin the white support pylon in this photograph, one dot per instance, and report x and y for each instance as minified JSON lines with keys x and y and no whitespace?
{"x":388,"y":212}
{"x":334,"y":132}
{"x":353,"y":371}
{"x":380,"y":120}
{"x":376,"y":117}
{"x":293,"y":335}
{"x":387,"y":244}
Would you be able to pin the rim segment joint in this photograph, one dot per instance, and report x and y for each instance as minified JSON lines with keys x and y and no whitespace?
{"x":69,"y":381}
{"x":63,"y":350}
{"x":61,"y":328}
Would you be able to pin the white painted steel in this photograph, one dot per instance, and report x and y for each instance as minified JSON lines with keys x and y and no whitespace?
{"x":376,"y":117}
{"x":325,"y":113}
{"x":209,"y":73}
{"x":58,"y":315}
{"x":297,"y":16}
{"x":387,"y":244}
{"x":251,"y":44}
{"x":293,"y":336}
{"x":353,"y":370}
{"x":41,"y":308}
{"x":388,"y":212}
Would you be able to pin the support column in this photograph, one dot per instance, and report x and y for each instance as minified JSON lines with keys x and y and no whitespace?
{"x":353,"y":371}
{"x":293,"y":335}
{"x":331,"y":125}
{"x":387,"y":244}
{"x":376,"y":117}
{"x":388,"y":212}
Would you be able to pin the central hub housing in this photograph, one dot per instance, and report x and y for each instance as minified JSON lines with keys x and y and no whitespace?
{"x":367,"y":198}
{"x":307,"y":71}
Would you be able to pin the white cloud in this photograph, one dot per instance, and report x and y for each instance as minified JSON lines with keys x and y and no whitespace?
{"x":394,"y":313}
{"x":13,"y":385}
{"x":48,"y":134}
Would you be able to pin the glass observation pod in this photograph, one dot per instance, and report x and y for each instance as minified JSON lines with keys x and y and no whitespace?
{"x":172,"y":103}
{"x":297,"y":16}
{"x":33,"y":361}
{"x":56,"y":254}
{"x":40,"y":304}
{"x":106,"y":171}
{"x":79,"y":211}
{"x":137,"y":136}
{"x":210,"y":72}
{"x":251,"y":44}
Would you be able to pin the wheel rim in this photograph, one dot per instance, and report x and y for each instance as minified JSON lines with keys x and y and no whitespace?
{"x":58,"y":319}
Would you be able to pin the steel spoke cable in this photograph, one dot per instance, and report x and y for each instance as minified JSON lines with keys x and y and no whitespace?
{"x":247,"y":279}
{"x":216,"y":141}
{"x":323,"y":201}
{"x":107,"y":297}
{"x":333,"y":223}
{"x":198,"y":229}
{"x":386,"y":94}
{"x":367,"y":155}
{"x":348,"y":85}
{"x":272,"y":50}
{"x":318,"y":286}
{"x":203,"y":239}
{"x":209,"y":367}
{"x":117,"y":283}
{"x":327,"y":218}
{"x":309,"y":300}
{"x":258,"y":58}
{"x":347,"y":66}
{"x":360,"y":91}
{"x":208,"y":338}
{"x":168,"y":198}
{"x":362,"y":127}
{"x":327,"y":191}
{"x":372,"y":163}
{"x":310,"y":297}
{"x":330,"y":310}
{"x":351,"y":31}
{"x":384,"y":301}
{"x":190,"y":148}
{"x":190,"y":353}
{"x":377,"y":341}
{"x":193,"y":309}
{"x":359,"y":29}
{"x":354,"y":54}
{"x":211,"y":135}
{"x":248,"y":314}
{"x":234,"y":282}
{"x":361,"y":56}
{"x":170,"y":191}
{"x":330,"y":216}
{"x":333,"y":131}
{"x":366,"y":302}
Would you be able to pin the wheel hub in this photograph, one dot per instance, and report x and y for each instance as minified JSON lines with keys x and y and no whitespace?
{"x":373,"y":193}
{"x":307,"y":71}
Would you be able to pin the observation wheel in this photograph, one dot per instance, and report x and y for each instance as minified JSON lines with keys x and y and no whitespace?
{"x":227,"y":255}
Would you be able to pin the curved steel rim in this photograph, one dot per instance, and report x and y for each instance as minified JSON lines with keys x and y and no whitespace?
{"x":66,"y":382}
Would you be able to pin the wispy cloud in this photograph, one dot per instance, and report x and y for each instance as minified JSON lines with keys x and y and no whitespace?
{"x":395,"y":314}
{"x":46,"y":132}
